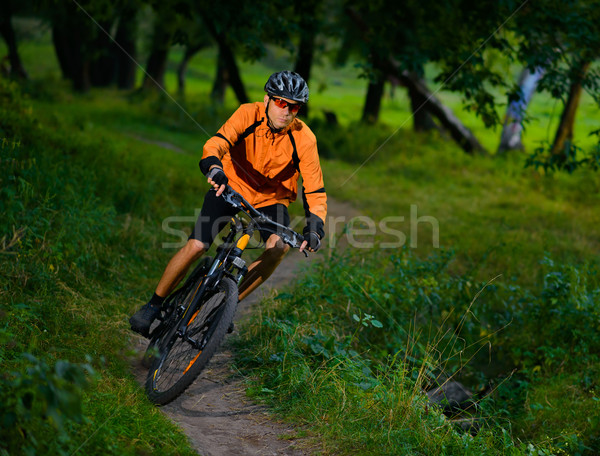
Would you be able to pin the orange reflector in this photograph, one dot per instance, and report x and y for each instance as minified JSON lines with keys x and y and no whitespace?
{"x":192,"y":362}
{"x":243,"y":241}
{"x":194,"y":317}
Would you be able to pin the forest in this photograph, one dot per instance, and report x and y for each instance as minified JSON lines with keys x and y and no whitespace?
{"x":465,"y":134}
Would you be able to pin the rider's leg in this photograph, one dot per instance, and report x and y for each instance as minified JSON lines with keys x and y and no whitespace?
{"x":263,"y":267}
{"x":179,"y":266}
{"x":174,"y":272}
{"x":213,"y":217}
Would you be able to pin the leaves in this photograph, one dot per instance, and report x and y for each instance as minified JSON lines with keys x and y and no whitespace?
{"x":41,"y":393}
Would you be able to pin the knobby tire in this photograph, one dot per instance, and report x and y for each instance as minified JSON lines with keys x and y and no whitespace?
{"x":177,"y":362}
{"x":171,"y":303}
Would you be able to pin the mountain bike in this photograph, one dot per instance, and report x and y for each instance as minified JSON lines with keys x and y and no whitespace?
{"x":196,"y":317}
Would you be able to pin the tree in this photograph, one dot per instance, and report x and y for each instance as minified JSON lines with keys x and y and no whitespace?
{"x":166,"y":23}
{"x":200,"y":41}
{"x":467,"y":40}
{"x":242,"y":28}
{"x":87,"y":53}
{"x":562,"y":146}
{"x":372,"y":104}
{"x":564,"y":39}
{"x":8,"y":34}
{"x":558,"y":38}
{"x":126,"y":45}
{"x":516,"y":110}
{"x":394,"y":43}
{"x":236,"y":28}
{"x":306,"y":21}
{"x":72,"y":36}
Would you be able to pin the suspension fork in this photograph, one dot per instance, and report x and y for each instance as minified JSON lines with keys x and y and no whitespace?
{"x":212,"y":277}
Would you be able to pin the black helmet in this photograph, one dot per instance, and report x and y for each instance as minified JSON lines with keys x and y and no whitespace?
{"x":287,"y":84}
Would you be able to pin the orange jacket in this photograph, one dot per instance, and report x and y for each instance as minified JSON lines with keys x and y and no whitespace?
{"x":264,"y":167}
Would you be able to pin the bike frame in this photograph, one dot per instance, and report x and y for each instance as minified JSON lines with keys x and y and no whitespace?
{"x":228,"y":258}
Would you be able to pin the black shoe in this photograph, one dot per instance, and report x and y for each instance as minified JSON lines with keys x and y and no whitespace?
{"x":141,"y":320}
{"x":231,"y":328}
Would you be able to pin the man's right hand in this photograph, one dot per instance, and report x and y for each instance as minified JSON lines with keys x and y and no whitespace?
{"x":217,"y":178}
{"x":312,"y":241}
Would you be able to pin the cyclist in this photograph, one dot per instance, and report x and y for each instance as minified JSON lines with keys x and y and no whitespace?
{"x":260,"y":151}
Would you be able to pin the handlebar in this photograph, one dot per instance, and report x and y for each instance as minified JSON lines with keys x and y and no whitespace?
{"x":287,"y":235}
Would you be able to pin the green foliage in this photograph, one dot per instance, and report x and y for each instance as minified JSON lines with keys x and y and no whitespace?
{"x":349,"y":327}
{"x":73,"y":257}
{"x":82,"y":199}
{"x":41,"y":397}
{"x":572,"y":158}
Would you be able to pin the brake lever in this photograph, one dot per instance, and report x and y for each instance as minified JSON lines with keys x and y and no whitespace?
{"x":294,"y":242}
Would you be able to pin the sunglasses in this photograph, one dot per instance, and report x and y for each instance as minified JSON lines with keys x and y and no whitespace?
{"x":281,"y":103}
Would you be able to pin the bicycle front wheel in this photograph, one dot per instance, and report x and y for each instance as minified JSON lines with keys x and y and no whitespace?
{"x":181,"y":359}
{"x":160,"y":330}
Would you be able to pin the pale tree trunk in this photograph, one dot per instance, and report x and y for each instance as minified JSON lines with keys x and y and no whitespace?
{"x":510,"y":138}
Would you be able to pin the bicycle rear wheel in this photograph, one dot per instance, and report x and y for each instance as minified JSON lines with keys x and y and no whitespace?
{"x":180,"y":360}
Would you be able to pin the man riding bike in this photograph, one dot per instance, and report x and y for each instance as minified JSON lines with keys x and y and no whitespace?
{"x":260,"y":151}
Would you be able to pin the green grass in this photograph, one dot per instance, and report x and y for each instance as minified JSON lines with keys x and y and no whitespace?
{"x":79,"y":249}
{"x":91,"y":207}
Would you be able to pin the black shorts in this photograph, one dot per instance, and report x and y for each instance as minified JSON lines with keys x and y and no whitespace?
{"x":216,"y":213}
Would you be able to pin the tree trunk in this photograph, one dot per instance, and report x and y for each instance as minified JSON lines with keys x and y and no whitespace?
{"x":156,"y":69}
{"x":306,"y":52}
{"x":372,"y":105}
{"x":564,"y":134}
{"x":230,"y":65}
{"x":422,"y":120}
{"x":72,"y":36}
{"x":190,"y":51}
{"x":103,"y":64}
{"x":8,"y":33}
{"x":233,"y":72}
{"x":510,"y":138}
{"x":126,"y":49}
{"x":68,"y":47}
{"x":221,"y":81}
{"x":157,"y":61}
{"x":63,"y":50}
{"x":304,"y":61}
{"x":461,"y":134}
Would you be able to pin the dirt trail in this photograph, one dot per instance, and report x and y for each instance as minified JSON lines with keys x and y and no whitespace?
{"x":214,"y":412}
